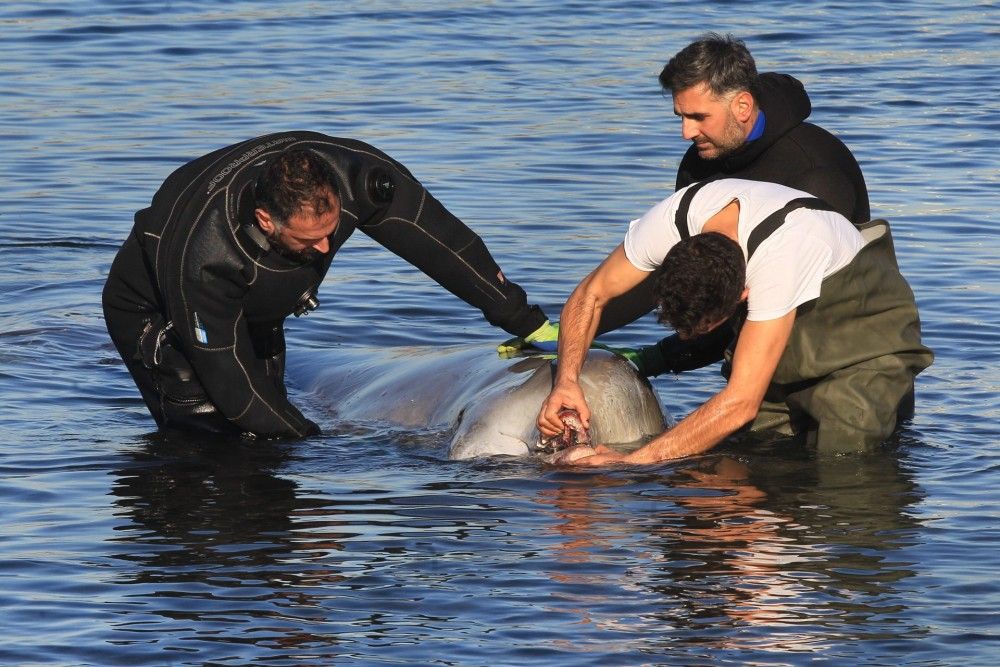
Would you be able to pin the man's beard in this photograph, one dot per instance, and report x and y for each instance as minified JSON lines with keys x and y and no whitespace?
{"x":305,"y":256}
{"x":733,"y":139}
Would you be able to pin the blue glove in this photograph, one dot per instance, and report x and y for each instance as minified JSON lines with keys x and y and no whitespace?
{"x":543,"y":338}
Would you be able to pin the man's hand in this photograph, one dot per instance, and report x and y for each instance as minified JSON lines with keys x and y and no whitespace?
{"x":564,"y":395}
{"x":585,"y":455}
{"x":547,"y":333}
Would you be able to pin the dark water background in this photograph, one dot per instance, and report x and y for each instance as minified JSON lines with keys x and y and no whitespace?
{"x":541,"y":124}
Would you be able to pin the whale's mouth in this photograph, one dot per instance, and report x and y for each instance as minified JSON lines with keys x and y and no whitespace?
{"x":573,"y":434}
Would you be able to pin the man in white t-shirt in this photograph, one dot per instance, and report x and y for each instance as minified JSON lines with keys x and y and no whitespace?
{"x":831,"y":339}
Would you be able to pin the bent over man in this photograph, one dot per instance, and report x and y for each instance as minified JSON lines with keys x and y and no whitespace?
{"x":236,"y":241}
{"x":830,"y":344}
{"x":741,"y":124}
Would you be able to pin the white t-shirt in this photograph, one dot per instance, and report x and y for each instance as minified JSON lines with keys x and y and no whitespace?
{"x":787,"y":268}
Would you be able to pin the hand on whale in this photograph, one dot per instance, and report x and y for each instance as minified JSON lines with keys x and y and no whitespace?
{"x":586,"y":455}
{"x":574,"y":433}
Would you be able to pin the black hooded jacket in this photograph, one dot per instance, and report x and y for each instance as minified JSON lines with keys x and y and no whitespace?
{"x":791,"y":152}
{"x":196,"y":259}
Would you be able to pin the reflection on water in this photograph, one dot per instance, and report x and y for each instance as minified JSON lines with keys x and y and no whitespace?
{"x":770,"y":553}
{"x":793,"y":554}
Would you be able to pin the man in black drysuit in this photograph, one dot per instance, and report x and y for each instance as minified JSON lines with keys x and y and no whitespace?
{"x":741,"y":125}
{"x":236,"y":241}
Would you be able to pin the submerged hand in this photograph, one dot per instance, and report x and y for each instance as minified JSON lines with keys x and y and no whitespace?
{"x":585,"y":455}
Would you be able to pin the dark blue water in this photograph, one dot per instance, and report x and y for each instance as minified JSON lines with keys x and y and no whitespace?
{"x":540,"y":124}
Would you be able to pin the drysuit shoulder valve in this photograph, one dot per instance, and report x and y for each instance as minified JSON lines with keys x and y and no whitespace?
{"x":306,"y":303}
{"x":380,"y":186}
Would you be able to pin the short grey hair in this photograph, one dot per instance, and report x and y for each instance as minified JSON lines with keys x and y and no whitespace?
{"x":722,"y":63}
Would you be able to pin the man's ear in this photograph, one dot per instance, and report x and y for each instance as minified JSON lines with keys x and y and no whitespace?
{"x":742,"y":106}
{"x":264,"y":221}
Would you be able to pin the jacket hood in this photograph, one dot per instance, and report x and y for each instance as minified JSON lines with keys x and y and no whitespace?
{"x":785,"y":104}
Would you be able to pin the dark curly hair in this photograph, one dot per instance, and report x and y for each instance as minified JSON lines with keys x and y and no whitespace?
{"x":700,"y":283}
{"x":293,"y":179}
{"x":724,"y":64}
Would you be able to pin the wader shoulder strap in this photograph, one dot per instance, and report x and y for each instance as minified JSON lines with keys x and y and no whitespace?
{"x":681,"y":217}
{"x":772,"y":222}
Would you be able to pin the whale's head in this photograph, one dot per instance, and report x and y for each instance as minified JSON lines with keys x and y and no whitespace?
{"x":488,"y":404}
{"x":625,"y":410}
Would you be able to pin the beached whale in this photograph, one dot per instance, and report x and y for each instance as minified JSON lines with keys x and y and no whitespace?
{"x":487,"y":405}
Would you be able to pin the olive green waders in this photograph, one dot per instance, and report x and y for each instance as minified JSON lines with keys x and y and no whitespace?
{"x":848,"y":368}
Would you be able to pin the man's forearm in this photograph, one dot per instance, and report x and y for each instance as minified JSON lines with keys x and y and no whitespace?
{"x":760,"y":346}
{"x":719,"y":417}
{"x":577,"y":328}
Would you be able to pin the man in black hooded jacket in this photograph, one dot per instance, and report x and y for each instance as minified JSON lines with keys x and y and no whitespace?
{"x":741,"y":125}
{"x":236,"y":241}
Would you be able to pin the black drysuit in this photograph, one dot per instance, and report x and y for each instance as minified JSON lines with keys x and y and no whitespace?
{"x":196,"y":298}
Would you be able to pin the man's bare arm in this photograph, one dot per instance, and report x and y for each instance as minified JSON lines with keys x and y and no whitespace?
{"x":577,"y":328}
{"x":758,"y":351}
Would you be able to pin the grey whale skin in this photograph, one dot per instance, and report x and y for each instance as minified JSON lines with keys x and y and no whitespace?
{"x":488,"y":405}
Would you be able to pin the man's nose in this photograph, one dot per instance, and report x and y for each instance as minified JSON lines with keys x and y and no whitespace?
{"x":322,"y":246}
{"x":689,"y":129}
